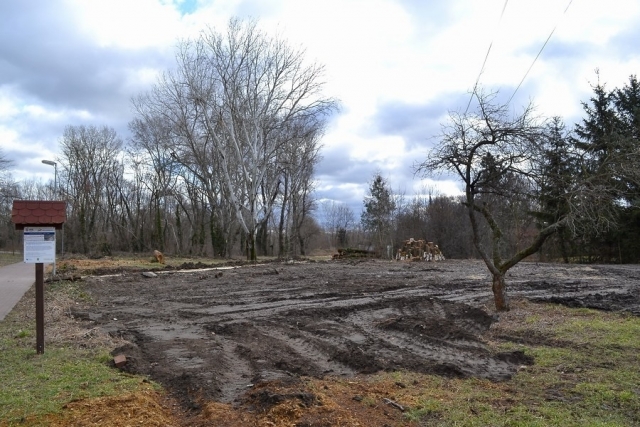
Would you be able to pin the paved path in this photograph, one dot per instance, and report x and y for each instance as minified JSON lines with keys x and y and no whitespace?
{"x":15,"y":280}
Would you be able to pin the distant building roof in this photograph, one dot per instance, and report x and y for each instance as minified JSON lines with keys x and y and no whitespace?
{"x":29,"y":213}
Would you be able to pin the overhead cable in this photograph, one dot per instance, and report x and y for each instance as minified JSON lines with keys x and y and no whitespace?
{"x":475,"y":86}
{"x":539,"y":52}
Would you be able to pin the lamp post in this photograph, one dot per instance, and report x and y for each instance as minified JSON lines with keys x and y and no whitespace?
{"x":55,"y":174}
{"x":55,"y":192}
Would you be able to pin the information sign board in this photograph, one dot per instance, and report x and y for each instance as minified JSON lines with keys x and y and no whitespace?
{"x":39,"y":244}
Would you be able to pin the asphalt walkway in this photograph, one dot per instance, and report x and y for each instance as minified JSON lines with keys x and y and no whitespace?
{"x":15,"y":280}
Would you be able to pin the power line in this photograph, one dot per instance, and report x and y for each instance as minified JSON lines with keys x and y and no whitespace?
{"x":475,"y":86}
{"x":539,"y":52}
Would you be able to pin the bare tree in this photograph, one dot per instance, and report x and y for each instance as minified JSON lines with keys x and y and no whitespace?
{"x":7,"y":188}
{"x":299,"y":157}
{"x":448,"y":226}
{"x":90,"y":169}
{"x":151,"y":138}
{"x":9,"y":191}
{"x":338,"y":220}
{"x":5,"y":163}
{"x":500,"y":160}
{"x":132,"y":216}
{"x":227,"y":103}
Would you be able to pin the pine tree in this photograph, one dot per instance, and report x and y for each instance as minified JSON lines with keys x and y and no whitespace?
{"x":598,"y":133}
{"x":608,"y":137}
{"x":627,"y":104}
{"x":558,"y":170}
{"x":379,"y":206}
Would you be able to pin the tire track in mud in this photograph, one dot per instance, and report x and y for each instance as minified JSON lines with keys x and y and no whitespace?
{"x":425,"y":335}
{"x":208,"y":336}
{"x":304,"y":346}
{"x":235,"y":374}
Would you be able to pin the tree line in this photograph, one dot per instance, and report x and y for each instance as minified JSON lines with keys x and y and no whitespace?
{"x":522,"y":173}
{"x":222,"y":153}
{"x":530,"y":186}
{"x":223,"y":148}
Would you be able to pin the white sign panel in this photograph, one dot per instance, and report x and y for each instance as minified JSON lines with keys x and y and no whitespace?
{"x":39,"y":244}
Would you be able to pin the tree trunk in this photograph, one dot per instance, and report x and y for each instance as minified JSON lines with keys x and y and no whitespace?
{"x":500,"y":292}
{"x":283,"y":209}
{"x":178,"y":231}
{"x":563,"y":247}
{"x":159,"y":235}
{"x":252,"y":255}
{"x":281,"y":234}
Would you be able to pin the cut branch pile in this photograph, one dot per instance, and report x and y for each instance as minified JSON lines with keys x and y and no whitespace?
{"x":354,"y":253}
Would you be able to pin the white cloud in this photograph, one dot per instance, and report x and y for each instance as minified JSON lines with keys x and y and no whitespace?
{"x":402,"y":62}
{"x":8,"y":108}
{"x":428,"y":186}
{"x":128,"y":24}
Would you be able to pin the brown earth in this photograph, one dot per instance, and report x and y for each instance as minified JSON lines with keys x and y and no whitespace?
{"x":249,"y":335}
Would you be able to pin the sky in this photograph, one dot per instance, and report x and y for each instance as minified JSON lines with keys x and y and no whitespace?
{"x":398,"y":67}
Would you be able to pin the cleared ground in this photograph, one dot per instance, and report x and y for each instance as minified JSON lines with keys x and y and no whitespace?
{"x":219,"y":334}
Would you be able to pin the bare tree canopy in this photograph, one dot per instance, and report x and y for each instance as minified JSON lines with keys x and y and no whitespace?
{"x":234,"y":105}
{"x":7,"y":187}
{"x":338,"y":218}
{"x":92,"y":170}
{"x":5,"y":164}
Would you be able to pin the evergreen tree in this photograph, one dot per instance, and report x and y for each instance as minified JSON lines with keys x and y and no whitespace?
{"x":558,"y":169}
{"x":627,"y":106}
{"x":608,"y":137}
{"x":598,"y":133}
{"x":379,"y":206}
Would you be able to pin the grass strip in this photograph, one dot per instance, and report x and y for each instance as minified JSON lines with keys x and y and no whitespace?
{"x":70,"y":369}
{"x":7,"y":258}
{"x":586,"y":373}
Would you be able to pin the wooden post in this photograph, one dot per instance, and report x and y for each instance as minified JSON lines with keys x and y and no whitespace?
{"x":39,"y":308}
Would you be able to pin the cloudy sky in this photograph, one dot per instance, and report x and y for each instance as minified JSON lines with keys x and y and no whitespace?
{"x":397,"y":66}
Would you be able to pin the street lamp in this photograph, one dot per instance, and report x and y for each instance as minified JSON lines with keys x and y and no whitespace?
{"x":55,"y":175}
{"x":55,"y":192}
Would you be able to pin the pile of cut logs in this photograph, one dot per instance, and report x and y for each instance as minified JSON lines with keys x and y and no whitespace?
{"x":354,"y":253}
{"x":418,"y":250}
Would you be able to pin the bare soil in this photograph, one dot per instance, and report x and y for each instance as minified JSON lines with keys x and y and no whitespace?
{"x":220,"y":334}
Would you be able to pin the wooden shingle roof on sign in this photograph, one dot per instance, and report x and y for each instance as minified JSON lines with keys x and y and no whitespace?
{"x":30,"y":213}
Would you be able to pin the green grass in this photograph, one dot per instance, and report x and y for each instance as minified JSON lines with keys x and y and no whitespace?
{"x":7,"y":258}
{"x":34,"y":385}
{"x":74,"y":290}
{"x":592,"y":378}
{"x":41,"y":384}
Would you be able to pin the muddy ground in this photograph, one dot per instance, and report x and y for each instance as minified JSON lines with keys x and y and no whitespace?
{"x":216,"y":334}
